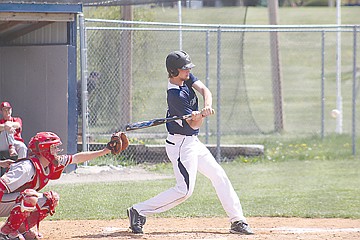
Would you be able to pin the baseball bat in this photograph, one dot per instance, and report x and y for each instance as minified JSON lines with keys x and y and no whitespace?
{"x":154,"y":122}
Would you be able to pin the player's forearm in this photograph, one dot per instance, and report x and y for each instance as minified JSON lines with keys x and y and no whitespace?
{"x":207,"y":98}
{"x":9,"y":124}
{"x":196,"y":120}
{"x":205,"y":92}
{"x":90,"y":155}
{"x":16,"y":125}
{"x":195,"y":124}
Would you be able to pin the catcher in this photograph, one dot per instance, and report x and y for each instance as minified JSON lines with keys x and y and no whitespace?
{"x":21,"y":200}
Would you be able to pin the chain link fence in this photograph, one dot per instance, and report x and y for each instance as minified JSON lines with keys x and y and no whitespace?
{"x":237,"y":63}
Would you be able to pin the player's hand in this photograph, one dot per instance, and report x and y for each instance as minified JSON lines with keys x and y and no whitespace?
{"x":196,"y":115}
{"x":207,"y":111}
{"x":9,"y":128}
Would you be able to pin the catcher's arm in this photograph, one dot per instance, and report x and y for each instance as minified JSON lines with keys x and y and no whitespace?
{"x":118,"y":143}
{"x":89,"y":155}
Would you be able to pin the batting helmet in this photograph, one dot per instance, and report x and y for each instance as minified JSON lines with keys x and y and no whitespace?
{"x":45,"y":144}
{"x":178,"y":60}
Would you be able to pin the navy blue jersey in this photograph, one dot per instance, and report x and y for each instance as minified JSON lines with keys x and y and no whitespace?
{"x":181,"y":100}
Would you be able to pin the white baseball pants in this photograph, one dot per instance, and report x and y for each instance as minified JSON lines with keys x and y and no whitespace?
{"x":188,"y":155}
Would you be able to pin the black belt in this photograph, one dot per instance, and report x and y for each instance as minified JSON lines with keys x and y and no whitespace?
{"x":182,"y":134}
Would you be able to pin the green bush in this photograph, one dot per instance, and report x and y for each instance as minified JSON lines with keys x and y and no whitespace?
{"x":315,"y":3}
{"x":251,"y":3}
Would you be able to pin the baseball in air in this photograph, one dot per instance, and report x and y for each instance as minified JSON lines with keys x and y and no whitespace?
{"x":335,"y":113}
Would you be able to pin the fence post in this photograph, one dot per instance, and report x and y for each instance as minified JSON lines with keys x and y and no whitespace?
{"x":207,"y":67}
{"x":83,"y":66}
{"x":322,"y":83}
{"x":354,"y":93}
{"x":218,"y":97}
{"x":180,"y":22}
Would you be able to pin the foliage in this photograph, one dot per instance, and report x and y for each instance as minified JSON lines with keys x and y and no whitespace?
{"x":315,"y":3}
{"x":114,"y":13}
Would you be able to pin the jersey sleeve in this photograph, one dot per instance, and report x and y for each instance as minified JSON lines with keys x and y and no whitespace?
{"x":17,"y":135}
{"x":18,"y":174}
{"x":64,"y":160}
{"x":192,"y":79}
{"x":18,"y":120}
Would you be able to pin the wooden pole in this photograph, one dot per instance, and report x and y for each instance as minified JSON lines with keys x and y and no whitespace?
{"x":126,"y":69}
{"x":273,"y":6}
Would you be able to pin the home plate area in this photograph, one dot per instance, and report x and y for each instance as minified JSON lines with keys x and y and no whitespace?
{"x":267,"y":228}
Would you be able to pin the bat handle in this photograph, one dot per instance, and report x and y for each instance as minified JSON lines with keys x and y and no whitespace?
{"x":212,"y":112}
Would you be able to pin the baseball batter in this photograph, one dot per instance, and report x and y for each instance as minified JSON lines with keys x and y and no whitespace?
{"x":21,"y":200}
{"x":186,"y":153}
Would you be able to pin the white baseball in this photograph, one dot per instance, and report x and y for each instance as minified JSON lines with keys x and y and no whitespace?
{"x":335,"y":113}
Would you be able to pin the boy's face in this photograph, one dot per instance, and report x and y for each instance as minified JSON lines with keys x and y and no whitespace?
{"x":184,"y":74}
{"x":6,"y":112}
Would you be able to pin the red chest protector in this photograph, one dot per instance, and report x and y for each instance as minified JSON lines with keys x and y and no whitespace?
{"x":41,"y":178}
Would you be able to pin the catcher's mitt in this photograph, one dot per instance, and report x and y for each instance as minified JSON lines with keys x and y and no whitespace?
{"x":118,"y":143}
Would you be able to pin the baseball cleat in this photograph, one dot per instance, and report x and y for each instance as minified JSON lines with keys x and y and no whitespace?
{"x":136,"y":221}
{"x":8,"y":237}
{"x":31,"y":235}
{"x":3,"y":236}
{"x":240,"y":227}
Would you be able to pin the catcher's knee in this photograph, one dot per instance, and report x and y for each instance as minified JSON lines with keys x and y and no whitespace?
{"x":46,"y":205}
{"x":52,"y":201}
{"x":28,"y":200}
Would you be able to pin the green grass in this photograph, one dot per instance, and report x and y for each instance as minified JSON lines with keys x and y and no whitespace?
{"x":327,"y":188}
{"x":295,"y":178}
{"x":303,"y":189}
{"x":258,"y":15}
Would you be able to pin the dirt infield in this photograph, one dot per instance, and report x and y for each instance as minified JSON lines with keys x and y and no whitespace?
{"x":207,"y":228}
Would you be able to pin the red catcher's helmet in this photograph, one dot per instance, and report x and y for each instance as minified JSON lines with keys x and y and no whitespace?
{"x":45,"y":144}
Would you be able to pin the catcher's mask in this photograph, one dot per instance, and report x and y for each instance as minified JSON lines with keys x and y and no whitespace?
{"x":46,"y":144}
{"x":178,"y":60}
